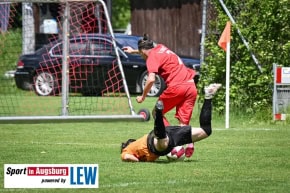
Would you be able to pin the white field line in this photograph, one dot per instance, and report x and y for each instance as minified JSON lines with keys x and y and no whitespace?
{"x":170,"y":183}
{"x":59,"y":143}
{"x":93,"y":144}
{"x":127,"y":184}
{"x":117,"y":185}
{"x":244,"y":129}
{"x":118,"y":144}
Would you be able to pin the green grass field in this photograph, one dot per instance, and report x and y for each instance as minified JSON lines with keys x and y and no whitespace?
{"x":245,"y":158}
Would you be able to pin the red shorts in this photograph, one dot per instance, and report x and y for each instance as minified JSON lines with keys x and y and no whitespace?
{"x":181,"y":96}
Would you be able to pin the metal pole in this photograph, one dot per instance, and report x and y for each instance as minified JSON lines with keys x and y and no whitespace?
{"x":65,"y":61}
{"x":109,"y":6}
{"x":4,"y":21}
{"x":28,"y":33}
{"x":99,"y":19}
{"x":203,"y":31}
{"x":228,"y":69}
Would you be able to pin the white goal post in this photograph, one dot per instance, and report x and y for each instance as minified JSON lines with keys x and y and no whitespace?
{"x":114,"y":102}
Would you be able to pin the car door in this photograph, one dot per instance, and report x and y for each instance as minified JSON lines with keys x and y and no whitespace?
{"x":104,"y":72}
{"x":79,"y":63}
{"x":133,"y":66}
{"x":78,"y":56}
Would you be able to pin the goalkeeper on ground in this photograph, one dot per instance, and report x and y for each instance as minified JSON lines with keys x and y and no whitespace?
{"x":161,"y":140}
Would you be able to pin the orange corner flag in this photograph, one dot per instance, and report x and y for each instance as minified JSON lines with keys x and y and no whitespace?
{"x":225,"y":37}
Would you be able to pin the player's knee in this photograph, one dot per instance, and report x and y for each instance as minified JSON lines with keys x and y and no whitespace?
{"x":207,"y":130}
{"x":162,"y":144}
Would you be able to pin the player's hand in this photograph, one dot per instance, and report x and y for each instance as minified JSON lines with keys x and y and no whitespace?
{"x":140,"y":99}
{"x":129,"y":49}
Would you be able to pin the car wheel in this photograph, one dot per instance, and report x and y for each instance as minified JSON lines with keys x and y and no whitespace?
{"x":157,"y":88}
{"x":45,"y":84}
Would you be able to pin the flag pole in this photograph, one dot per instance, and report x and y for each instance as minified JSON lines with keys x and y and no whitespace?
{"x":224,"y":43}
{"x":227,"y":124}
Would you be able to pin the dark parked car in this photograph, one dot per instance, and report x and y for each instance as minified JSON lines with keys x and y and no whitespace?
{"x":92,"y":67}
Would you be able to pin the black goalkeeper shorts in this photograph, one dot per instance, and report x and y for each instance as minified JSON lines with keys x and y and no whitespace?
{"x":177,"y":136}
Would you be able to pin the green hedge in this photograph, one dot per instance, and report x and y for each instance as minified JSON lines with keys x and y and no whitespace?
{"x":265,"y":25}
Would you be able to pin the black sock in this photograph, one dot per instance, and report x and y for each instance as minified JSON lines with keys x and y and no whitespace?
{"x":159,"y":127}
{"x":205,"y":116}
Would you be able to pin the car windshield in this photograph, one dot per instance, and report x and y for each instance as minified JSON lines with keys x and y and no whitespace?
{"x":121,"y":39}
{"x":131,"y":41}
{"x":46,"y":47}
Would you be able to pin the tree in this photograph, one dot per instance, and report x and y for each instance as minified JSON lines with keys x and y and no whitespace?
{"x":120,"y":14}
{"x":265,"y":25}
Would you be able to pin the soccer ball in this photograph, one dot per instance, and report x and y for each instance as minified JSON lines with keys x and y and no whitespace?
{"x":176,"y":154}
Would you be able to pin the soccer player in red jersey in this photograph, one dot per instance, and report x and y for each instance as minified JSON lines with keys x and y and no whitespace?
{"x":180,"y":92}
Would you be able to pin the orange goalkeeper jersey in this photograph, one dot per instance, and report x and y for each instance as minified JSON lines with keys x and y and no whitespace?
{"x":140,"y":150}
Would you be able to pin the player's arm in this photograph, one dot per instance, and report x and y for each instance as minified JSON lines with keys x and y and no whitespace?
{"x":150,"y":81}
{"x":129,"y":158}
{"x":130,"y":50}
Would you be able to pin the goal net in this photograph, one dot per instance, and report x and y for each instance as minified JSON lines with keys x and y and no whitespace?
{"x":59,"y":60}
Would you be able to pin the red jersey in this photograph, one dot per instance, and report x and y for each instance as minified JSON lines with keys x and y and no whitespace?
{"x":140,"y":150}
{"x":168,"y":65}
